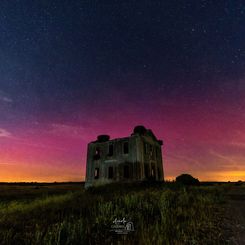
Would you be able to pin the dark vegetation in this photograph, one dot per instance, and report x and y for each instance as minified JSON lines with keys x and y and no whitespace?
{"x":30,"y":191}
{"x":187,"y":179}
{"x":166,"y":213}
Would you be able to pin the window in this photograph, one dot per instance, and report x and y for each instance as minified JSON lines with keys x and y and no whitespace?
{"x":97,"y":154}
{"x":110,"y":153}
{"x":126,"y":172}
{"x":153,"y":153}
{"x":146,"y":171}
{"x":159,"y":152}
{"x":96,"y":173}
{"x":159,"y":173}
{"x":151,"y":149}
{"x":145,"y":147}
{"x":153,"y":174}
{"x":110,"y":172}
{"x":125,"y":147}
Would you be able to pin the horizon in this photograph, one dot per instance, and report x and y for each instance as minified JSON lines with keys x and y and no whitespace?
{"x":79,"y":182}
{"x":166,"y":179}
{"x":72,"y":71}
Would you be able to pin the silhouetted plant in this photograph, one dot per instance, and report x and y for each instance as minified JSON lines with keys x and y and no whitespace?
{"x":187,"y":179}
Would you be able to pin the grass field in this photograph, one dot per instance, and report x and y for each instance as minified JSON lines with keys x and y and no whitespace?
{"x":67,"y":214}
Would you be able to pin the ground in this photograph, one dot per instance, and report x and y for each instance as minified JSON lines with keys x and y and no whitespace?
{"x":212,"y":213}
{"x":235,"y":214}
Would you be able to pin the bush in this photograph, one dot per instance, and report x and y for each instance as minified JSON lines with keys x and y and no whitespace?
{"x":239,"y":182}
{"x":187,"y":179}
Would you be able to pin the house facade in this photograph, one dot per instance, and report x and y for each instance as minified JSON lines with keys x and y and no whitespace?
{"x":134,"y":158}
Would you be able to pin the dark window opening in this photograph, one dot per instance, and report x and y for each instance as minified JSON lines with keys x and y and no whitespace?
{"x":125,"y":148}
{"x":151,"y":150}
{"x":96,"y":173}
{"x":97,"y":154}
{"x":126,"y":172}
{"x":110,"y":153}
{"x":153,"y":153}
{"x":110,"y":172}
{"x":153,"y":174}
{"x":146,"y":171}
{"x":145,"y":148}
{"x":159,"y":173}
{"x":157,"y":152}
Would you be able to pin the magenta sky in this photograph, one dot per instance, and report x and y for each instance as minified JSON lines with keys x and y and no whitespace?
{"x":206,"y":141}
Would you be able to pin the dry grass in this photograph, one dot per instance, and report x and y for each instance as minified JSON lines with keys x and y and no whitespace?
{"x":162,"y":214}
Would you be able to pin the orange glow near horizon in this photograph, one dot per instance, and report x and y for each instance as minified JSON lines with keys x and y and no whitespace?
{"x":36,"y":173}
{"x":26,"y":173}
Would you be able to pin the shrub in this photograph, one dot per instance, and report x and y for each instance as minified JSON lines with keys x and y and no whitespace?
{"x":187,"y":179}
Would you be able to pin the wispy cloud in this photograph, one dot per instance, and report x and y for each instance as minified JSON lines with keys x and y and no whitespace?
{"x":238,"y":144}
{"x":5,"y":98}
{"x":227,"y":159}
{"x":6,"y":163}
{"x":4,"y":133}
{"x":40,"y":145}
{"x":186,"y":159}
{"x":75,"y":132}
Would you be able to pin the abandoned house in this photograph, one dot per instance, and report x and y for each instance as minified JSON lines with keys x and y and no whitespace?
{"x":134,"y":158}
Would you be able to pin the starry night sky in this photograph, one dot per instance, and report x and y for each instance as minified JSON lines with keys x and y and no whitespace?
{"x":70,"y":70}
